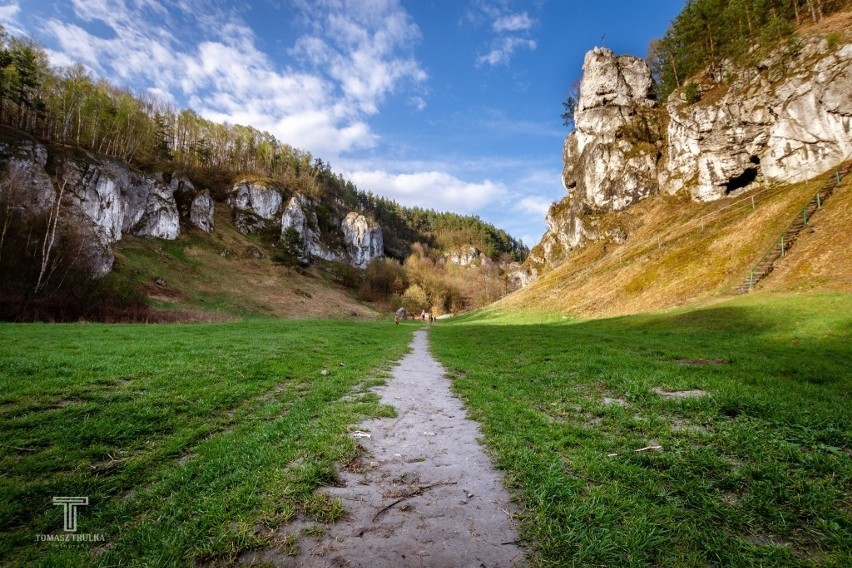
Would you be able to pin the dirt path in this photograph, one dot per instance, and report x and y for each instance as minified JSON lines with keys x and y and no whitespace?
{"x":424,"y":493}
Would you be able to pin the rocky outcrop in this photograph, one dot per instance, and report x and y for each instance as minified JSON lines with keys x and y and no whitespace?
{"x":111,"y":200}
{"x":194,"y":205}
{"x":786,"y":120}
{"x":255,"y":206}
{"x":300,"y":214}
{"x":605,"y":164}
{"x":102,"y":199}
{"x":610,"y":160}
{"x":363,"y":238}
{"x":518,"y":276}
{"x":463,"y":256}
{"x":781,"y":122}
{"x":358,"y":242}
{"x":25,"y":181}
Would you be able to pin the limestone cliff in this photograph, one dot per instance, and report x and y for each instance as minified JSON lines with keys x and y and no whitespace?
{"x":105,"y":198}
{"x":300,"y":214}
{"x":326,"y":232}
{"x":363,"y":239}
{"x":783,"y":121}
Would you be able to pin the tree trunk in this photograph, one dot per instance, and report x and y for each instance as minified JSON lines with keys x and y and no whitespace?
{"x":812,"y":8}
{"x":50,"y":237}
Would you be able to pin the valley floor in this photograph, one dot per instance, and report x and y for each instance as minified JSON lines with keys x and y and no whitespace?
{"x":716,"y":435}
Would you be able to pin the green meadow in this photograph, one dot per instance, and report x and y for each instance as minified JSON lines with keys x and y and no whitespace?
{"x":712,"y":436}
{"x":192,"y":442}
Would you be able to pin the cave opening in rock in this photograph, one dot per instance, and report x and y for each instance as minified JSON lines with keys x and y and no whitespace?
{"x":745,"y":178}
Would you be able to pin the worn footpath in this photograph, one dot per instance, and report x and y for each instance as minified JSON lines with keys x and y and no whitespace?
{"x":424,"y":493}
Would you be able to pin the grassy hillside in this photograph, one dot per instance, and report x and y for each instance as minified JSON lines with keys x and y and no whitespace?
{"x":218,"y":276}
{"x":192,"y":442}
{"x":822,"y":256}
{"x":678,"y":251}
{"x":717,"y":436}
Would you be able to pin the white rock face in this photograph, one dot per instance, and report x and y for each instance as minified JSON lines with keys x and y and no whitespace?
{"x":201,"y":212}
{"x":300,"y":215}
{"x":103,"y":198}
{"x":766,"y":127}
{"x":24,"y":180}
{"x":254,"y":206}
{"x":113,"y":200}
{"x":465,"y":256}
{"x":787,"y":121}
{"x":519,"y":275}
{"x":364,"y":240}
{"x":610,"y":160}
{"x":602,"y":161}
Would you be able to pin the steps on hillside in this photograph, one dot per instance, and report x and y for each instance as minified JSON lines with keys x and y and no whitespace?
{"x":788,"y":238}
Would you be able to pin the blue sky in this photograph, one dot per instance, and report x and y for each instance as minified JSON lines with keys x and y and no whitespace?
{"x":445,"y":104}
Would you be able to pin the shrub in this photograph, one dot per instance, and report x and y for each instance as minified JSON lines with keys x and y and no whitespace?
{"x":290,"y":249}
{"x":415,"y":299}
{"x":691,"y":93}
{"x":832,"y":40}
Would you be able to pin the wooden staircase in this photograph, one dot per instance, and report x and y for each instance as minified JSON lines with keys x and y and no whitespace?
{"x":788,"y":238}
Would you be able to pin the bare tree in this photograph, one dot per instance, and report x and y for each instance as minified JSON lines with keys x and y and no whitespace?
{"x":50,"y":235}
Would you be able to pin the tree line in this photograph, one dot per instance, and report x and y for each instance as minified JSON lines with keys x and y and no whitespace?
{"x":708,"y":33}
{"x":67,"y":105}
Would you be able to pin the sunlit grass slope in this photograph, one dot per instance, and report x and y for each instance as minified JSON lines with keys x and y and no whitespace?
{"x":679,"y":252}
{"x":219,"y":276}
{"x":756,"y":472}
{"x":192,"y":442}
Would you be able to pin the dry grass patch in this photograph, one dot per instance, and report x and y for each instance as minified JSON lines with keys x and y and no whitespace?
{"x":677,"y":252}
{"x":201,"y":277}
{"x":822,"y":255}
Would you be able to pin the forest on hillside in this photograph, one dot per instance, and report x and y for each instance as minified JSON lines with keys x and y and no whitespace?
{"x":718,"y":36}
{"x":66,"y":105}
{"x":68,"y":108}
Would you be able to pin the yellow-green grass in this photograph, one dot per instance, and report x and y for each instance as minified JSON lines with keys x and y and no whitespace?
{"x":192,"y":442}
{"x":679,"y":252}
{"x":757,"y":472}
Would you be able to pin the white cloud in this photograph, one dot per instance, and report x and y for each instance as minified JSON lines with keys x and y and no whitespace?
{"x":353,"y":55}
{"x":512,"y":23}
{"x":511,"y":32}
{"x":502,"y":51}
{"x":418,"y":103}
{"x":360,"y":47}
{"x":9,"y":17}
{"x":431,"y":189}
{"x":535,"y":205}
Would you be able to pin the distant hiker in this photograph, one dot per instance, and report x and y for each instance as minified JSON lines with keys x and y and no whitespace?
{"x":423,"y":315}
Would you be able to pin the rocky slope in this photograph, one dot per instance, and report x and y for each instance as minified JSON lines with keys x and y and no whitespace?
{"x":785,"y":121}
{"x":105,"y":200}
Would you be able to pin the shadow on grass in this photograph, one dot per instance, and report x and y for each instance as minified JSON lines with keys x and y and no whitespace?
{"x":754,"y":472}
